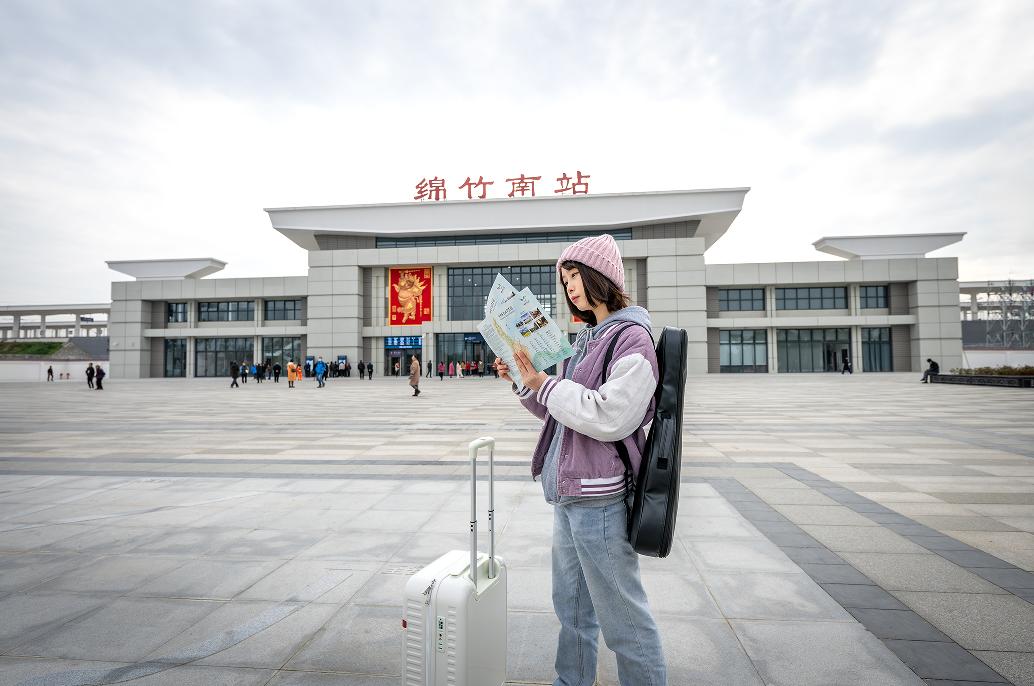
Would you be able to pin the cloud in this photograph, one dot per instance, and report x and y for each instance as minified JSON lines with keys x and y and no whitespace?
{"x":150,"y":129}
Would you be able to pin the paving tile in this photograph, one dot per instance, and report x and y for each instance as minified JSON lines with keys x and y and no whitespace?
{"x":21,"y":571}
{"x":835,"y":574}
{"x":928,"y":572}
{"x":311,"y":580}
{"x":274,"y":645}
{"x":124,"y":630}
{"x":372,"y":635}
{"x":1007,"y":578}
{"x":820,"y":654}
{"x":861,"y":539}
{"x":26,"y":616}
{"x":812,"y":555}
{"x":823,"y":514}
{"x":698,"y":651}
{"x":901,"y":624}
{"x":1016,"y":667}
{"x":772,"y":596}
{"x":973,"y":523}
{"x":977,"y":621}
{"x":208,"y":578}
{"x":531,"y":639}
{"x":317,"y":679}
{"x":942,"y":661}
{"x":189,"y":675}
{"x":117,"y":574}
{"x":862,"y":596}
{"x":19,"y":671}
{"x":973,"y":558}
{"x":736,"y":555}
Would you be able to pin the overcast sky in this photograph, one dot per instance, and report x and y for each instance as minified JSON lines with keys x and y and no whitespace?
{"x":143,"y":130}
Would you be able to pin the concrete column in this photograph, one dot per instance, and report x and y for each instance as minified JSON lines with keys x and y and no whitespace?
{"x":77,"y":329}
{"x":190,"y":357}
{"x":854,"y":299}
{"x":974,"y":307}
{"x":16,"y":331}
{"x":857,"y":359}
{"x":43,"y":326}
{"x":257,"y":348}
{"x":773,"y":354}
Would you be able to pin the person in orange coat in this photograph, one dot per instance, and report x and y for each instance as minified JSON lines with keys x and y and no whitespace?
{"x":292,"y":373}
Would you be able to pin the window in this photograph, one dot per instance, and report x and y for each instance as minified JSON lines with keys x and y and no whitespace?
{"x":469,"y":287}
{"x":497,"y":239}
{"x":741,"y":299}
{"x":282,"y":349}
{"x":876,"y":354}
{"x":226,"y":311}
{"x":175,"y":357}
{"x":743,"y":350}
{"x":825,"y":298}
{"x":177,"y":312}
{"x":813,"y":350}
{"x":212,"y":356}
{"x":279,"y":310}
{"x":873,"y":296}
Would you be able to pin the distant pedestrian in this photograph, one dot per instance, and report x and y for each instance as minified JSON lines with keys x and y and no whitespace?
{"x":430,"y":368}
{"x":260,"y":372}
{"x":414,"y":376}
{"x":269,"y":369}
{"x":452,"y":369}
{"x":90,"y":371}
{"x":441,"y":370}
{"x":50,"y":373}
{"x":100,"y":378}
{"x":398,"y":368}
{"x":481,"y":369}
{"x":244,"y":372}
{"x":276,"y":372}
{"x":362,"y":370}
{"x":235,"y":371}
{"x":369,"y":370}
{"x":321,"y":373}
{"x":933,"y":370}
{"x":292,"y":373}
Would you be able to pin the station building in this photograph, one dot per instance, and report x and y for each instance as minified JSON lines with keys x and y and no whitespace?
{"x":391,"y":280}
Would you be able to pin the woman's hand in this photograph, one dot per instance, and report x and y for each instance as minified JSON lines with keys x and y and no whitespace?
{"x":532,"y":379}
{"x":503,"y":369}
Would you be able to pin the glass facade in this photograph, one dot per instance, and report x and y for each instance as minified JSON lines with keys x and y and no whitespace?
{"x":876,"y":356}
{"x":469,"y":287}
{"x":813,"y":350}
{"x":280,"y":310}
{"x":175,"y":357}
{"x":212,"y":356}
{"x":176,"y":312}
{"x":226,"y":311}
{"x":741,"y":299}
{"x":743,"y":350}
{"x":281,"y":349}
{"x":497,"y":239}
{"x":461,"y":347}
{"x":825,"y":298}
{"x":873,"y":296}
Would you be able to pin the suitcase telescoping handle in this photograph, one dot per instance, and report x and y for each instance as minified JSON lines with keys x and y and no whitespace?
{"x":473,"y":449}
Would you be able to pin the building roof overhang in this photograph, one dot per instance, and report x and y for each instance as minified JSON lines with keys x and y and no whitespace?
{"x":714,"y":209}
{"x":160,"y":270}
{"x":888,"y":247}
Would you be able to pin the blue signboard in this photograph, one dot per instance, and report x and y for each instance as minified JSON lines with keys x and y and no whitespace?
{"x":473,"y":338}
{"x":401,"y":342}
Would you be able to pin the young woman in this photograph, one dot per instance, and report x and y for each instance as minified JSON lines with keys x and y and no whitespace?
{"x":596,"y":582}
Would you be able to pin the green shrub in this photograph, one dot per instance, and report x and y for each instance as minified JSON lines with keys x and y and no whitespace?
{"x":29,"y":347}
{"x":1004,"y":370}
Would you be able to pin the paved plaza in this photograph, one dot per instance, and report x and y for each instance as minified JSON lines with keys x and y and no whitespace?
{"x":832,"y":530}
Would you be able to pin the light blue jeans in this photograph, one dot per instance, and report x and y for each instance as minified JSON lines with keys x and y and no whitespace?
{"x":596,"y":585}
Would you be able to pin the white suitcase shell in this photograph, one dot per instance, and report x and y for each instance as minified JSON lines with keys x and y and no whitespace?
{"x":454,"y":621}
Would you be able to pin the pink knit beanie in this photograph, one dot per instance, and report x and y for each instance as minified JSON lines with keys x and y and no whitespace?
{"x":599,"y":252}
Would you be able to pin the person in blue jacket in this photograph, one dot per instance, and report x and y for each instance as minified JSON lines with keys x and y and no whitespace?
{"x":321,"y":373}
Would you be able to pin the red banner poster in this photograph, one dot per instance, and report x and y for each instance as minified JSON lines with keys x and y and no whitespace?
{"x":409,"y":296}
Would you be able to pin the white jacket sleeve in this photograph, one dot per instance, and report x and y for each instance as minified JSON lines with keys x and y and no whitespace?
{"x":611,"y":413}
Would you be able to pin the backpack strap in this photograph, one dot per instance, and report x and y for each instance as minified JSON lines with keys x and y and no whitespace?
{"x":620,"y":445}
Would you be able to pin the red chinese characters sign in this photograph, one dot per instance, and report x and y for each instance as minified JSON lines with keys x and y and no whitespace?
{"x":409,"y":296}
{"x":523,"y":186}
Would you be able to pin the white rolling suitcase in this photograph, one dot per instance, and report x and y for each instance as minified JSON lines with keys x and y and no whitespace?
{"x":454,"y":609}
